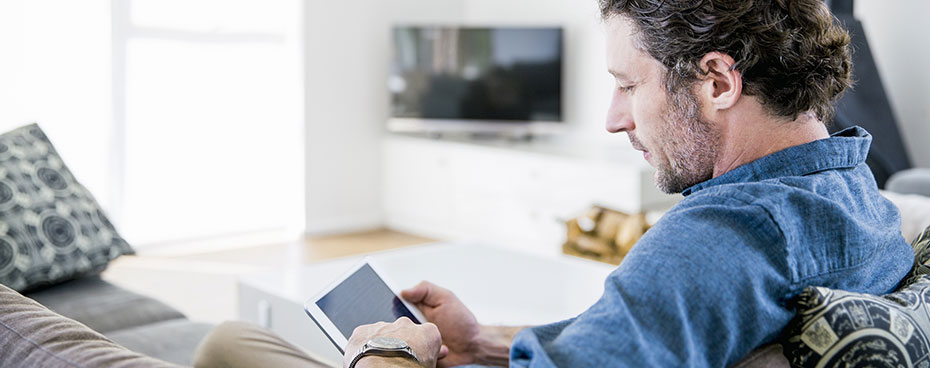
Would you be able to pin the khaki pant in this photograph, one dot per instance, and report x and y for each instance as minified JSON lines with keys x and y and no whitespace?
{"x":239,"y":344}
{"x":244,"y":345}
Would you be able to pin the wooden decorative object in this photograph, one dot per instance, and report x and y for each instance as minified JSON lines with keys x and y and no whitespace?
{"x":603,"y":234}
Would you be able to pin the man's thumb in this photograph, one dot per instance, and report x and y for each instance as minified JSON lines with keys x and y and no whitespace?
{"x":417,"y":294}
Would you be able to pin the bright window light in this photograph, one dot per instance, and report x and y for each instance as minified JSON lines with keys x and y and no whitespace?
{"x":212,"y":119}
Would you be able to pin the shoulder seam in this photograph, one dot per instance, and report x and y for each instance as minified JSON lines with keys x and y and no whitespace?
{"x":795,"y":277}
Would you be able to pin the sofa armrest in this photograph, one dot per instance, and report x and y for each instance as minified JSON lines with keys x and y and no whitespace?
{"x":911,"y":181}
{"x":915,"y":212}
{"x":33,"y":336}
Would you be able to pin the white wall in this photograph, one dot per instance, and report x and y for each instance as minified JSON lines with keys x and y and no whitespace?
{"x":347,"y":53}
{"x":898,"y":35}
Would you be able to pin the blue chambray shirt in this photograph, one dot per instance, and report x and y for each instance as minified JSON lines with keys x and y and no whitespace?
{"x":710,"y":281}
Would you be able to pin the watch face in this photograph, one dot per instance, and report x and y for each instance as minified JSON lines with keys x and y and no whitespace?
{"x":387,"y":343}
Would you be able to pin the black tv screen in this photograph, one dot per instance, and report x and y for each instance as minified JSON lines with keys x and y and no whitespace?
{"x":477,"y":74}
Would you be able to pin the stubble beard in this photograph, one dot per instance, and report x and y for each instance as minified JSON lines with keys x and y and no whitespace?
{"x":691,"y":142}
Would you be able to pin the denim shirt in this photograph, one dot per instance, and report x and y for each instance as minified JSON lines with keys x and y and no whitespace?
{"x":711,"y":280}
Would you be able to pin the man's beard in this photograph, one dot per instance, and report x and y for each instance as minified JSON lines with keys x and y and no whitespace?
{"x":691,"y":144}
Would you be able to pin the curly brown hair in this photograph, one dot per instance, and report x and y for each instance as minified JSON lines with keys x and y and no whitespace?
{"x":792,"y":54}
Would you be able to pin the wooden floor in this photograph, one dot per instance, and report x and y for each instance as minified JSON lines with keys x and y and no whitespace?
{"x":203,"y":285}
{"x":314,"y":249}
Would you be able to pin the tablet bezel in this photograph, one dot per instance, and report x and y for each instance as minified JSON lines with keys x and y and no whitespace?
{"x":329,"y":328}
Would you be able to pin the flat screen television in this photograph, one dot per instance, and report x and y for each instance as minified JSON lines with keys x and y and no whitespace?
{"x":484,"y":79}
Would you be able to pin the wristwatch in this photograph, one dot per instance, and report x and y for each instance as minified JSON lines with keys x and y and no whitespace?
{"x":386,"y":347}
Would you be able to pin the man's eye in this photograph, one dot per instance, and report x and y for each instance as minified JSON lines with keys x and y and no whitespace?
{"x":626,"y":88}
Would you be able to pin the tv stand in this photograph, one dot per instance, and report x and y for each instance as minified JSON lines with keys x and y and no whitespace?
{"x":512,"y":136}
{"x":508,"y":192}
{"x":504,"y":136}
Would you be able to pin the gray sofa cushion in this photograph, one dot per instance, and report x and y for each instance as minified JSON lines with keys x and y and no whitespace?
{"x":33,"y":336}
{"x":172,"y":341}
{"x":102,"y":306}
{"x":912,"y":181}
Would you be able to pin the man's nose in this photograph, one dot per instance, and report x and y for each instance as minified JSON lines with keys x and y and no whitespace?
{"x":619,"y":115}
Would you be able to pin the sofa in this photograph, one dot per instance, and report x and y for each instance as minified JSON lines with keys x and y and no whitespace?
{"x":31,"y":335}
{"x":55,"y":240}
{"x":137,"y":322}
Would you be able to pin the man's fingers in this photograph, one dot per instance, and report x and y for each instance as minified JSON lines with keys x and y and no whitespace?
{"x":443,"y":351}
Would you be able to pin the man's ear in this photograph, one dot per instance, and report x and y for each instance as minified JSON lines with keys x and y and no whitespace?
{"x":722,"y":85}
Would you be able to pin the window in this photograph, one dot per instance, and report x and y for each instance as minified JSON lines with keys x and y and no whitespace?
{"x":208,"y":102}
{"x":183,"y":117}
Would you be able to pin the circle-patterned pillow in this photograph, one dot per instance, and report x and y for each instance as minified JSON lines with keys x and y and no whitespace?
{"x":51,"y":228}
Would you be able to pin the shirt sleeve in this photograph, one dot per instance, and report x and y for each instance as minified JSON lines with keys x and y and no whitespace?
{"x":702,"y":288}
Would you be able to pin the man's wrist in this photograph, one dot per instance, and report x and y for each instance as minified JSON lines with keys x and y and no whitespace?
{"x":493,"y":345}
{"x":375,"y":361}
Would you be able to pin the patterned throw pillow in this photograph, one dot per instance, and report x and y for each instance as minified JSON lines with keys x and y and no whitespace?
{"x":837,"y":328}
{"x":51,"y":228}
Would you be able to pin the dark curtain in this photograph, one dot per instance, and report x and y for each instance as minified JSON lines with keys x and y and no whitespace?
{"x":867,"y":104}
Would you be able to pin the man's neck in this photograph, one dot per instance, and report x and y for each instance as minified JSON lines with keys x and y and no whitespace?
{"x":756,"y":135}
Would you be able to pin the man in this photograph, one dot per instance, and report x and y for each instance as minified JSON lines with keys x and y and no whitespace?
{"x":727,"y":99}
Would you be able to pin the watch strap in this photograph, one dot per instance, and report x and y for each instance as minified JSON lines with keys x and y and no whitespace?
{"x":370,"y":351}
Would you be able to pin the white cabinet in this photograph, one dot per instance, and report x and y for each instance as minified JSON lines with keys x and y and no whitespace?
{"x":510,"y":194}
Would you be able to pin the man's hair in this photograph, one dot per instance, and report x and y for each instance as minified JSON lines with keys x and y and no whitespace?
{"x":791,"y":53}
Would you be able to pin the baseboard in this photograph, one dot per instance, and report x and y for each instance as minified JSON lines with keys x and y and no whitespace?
{"x":218,"y":243}
{"x":419,"y":226}
{"x":344,"y":224}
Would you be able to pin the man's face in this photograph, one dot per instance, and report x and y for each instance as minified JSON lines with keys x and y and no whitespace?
{"x":668,"y":128}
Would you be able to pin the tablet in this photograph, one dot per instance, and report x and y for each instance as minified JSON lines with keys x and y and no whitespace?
{"x":361,"y":296}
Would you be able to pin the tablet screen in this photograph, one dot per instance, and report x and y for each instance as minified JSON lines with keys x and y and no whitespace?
{"x":363,"y":298}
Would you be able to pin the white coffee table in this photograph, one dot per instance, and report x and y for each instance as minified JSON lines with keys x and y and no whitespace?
{"x":500,"y":286}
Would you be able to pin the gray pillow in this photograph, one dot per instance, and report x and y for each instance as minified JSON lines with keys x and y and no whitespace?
{"x":51,"y":228}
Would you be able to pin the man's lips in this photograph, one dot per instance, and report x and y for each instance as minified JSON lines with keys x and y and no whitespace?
{"x":639,"y":147}
{"x":646,"y":154}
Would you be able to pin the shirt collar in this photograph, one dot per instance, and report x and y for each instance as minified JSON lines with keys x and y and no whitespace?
{"x":844,"y":149}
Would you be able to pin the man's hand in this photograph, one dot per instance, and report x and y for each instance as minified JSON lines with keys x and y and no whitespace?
{"x":423,"y":339}
{"x":466,"y":340}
